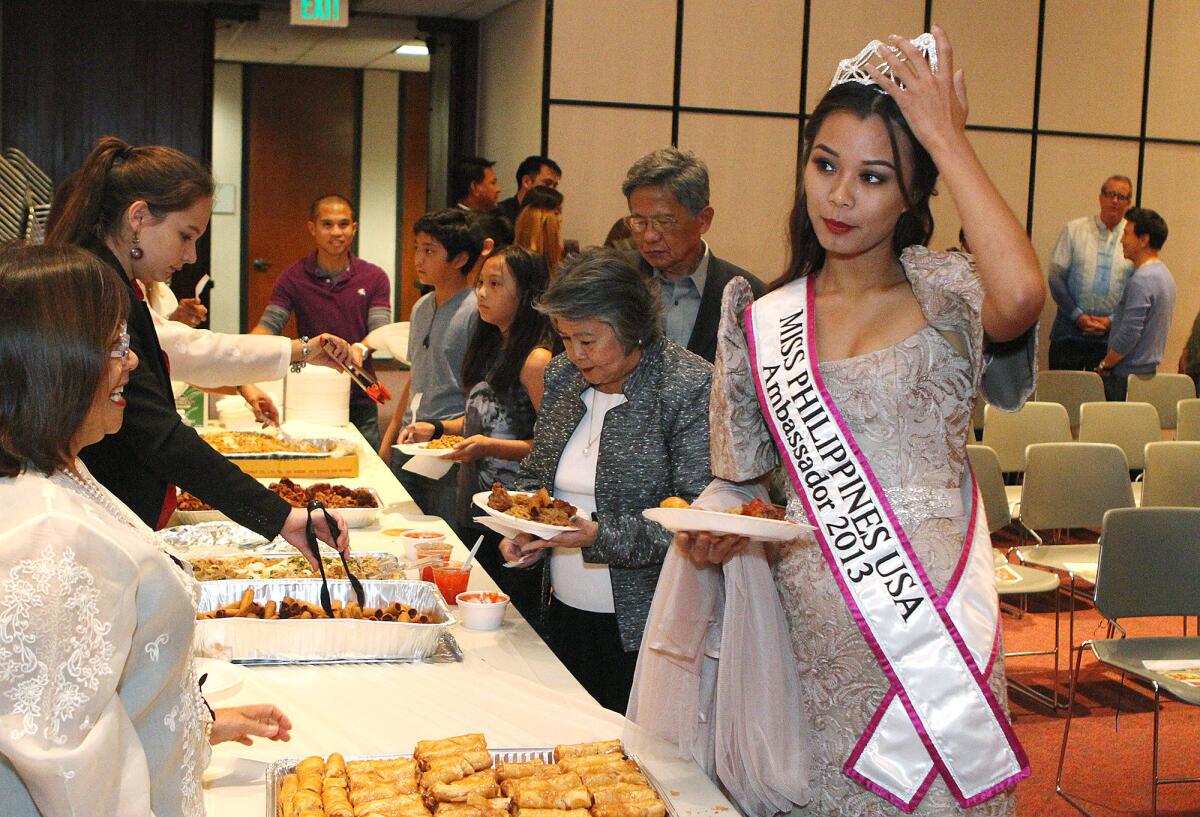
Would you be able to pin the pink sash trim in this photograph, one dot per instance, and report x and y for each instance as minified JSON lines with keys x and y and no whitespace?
{"x":940,"y":601}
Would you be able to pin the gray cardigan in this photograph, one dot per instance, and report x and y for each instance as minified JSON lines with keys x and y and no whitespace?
{"x":652,"y":446}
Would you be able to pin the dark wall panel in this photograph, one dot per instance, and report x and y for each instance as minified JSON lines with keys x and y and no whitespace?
{"x":75,"y":70}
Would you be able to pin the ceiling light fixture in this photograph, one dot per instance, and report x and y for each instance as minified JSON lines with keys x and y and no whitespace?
{"x":413,"y":48}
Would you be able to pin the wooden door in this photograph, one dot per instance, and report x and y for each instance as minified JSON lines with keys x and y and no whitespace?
{"x":302,"y":140}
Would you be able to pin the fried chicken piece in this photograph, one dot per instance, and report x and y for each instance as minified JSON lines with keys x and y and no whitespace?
{"x":500,"y":499}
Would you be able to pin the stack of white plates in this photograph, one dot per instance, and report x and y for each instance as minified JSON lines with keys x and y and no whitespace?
{"x":318,"y":395}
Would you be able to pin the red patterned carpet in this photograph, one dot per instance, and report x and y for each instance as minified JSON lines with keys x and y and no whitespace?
{"x":1108,"y":762}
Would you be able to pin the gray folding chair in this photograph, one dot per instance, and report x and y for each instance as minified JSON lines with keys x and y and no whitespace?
{"x":1163,"y":390}
{"x":1187,"y":423}
{"x":1008,"y":433}
{"x":1149,"y":566}
{"x":1172,"y":476}
{"x":986,"y":467}
{"x":1129,"y":425}
{"x":1069,"y":389}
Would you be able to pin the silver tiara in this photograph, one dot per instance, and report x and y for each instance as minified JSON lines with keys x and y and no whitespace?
{"x":852,"y":70}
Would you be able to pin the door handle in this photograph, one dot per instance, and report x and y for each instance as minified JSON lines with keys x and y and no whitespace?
{"x":262,"y":264}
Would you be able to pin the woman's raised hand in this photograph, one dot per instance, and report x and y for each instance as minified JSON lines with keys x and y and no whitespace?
{"x":933,"y":103}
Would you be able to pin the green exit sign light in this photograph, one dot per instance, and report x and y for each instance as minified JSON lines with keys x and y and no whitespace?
{"x":332,"y":13}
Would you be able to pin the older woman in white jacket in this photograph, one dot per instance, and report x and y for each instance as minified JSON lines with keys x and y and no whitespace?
{"x":100,"y":707}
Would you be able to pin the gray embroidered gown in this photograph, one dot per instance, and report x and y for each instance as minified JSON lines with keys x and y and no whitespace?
{"x":909,"y":406}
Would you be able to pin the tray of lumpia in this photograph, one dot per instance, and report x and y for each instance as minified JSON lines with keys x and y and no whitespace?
{"x":462,"y":776}
{"x":282,"y":621}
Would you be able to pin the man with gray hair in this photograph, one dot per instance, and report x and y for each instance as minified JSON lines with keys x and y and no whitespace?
{"x":669,"y":213}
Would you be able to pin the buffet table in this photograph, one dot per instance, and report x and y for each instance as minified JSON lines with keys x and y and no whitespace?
{"x":508,"y":686}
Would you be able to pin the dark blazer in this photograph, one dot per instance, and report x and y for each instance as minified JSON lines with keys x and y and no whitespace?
{"x":703,"y":341}
{"x":155,"y":449}
{"x":652,"y":446}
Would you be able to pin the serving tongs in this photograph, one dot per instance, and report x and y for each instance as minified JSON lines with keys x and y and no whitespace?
{"x":311,"y":535}
{"x":364,"y":379}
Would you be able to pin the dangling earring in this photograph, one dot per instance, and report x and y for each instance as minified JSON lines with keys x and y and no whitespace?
{"x":135,"y":252}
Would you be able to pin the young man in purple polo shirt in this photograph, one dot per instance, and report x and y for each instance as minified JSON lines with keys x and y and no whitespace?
{"x":331,"y":290}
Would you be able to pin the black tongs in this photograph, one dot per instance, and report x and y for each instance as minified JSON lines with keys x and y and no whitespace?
{"x":311,"y":535}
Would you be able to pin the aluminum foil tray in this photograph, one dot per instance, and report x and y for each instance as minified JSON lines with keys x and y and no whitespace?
{"x":278,"y":769}
{"x":355,"y":517}
{"x":446,"y":651}
{"x":389,"y":564}
{"x":320,"y":639}
{"x":212,"y":538}
{"x":327,"y":447}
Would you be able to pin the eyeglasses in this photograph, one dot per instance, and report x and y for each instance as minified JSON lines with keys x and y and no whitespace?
{"x":661,"y":224}
{"x":1115,"y":195}
{"x":121,"y":349}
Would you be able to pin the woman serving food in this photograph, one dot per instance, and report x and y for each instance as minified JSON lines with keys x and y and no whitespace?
{"x":623,"y":424}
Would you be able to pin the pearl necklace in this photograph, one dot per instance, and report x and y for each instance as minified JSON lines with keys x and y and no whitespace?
{"x":87,"y":488}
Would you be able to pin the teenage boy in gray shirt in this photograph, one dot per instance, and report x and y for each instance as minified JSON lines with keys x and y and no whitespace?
{"x":1142,"y":318}
{"x":441,"y":326}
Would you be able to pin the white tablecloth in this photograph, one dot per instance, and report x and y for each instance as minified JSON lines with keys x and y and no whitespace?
{"x":509,"y":686}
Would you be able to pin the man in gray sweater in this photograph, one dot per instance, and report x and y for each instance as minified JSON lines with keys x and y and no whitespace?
{"x":1142,"y":319}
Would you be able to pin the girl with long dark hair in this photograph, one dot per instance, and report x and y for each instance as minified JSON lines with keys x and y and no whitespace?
{"x":502,"y":372}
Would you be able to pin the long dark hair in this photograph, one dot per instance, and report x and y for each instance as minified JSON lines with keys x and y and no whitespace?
{"x":59,"y":310}
{"x":488,"y":356}
{"x":915,"y":225}
{"x":115,"y":175}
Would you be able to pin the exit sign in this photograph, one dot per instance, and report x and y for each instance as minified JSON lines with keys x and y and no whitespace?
{"x":332,"y":13}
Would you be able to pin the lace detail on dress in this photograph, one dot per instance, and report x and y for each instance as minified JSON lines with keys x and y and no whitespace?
{"x":192,"y":716}
{"x":909,"y":408}
{"x":53,"y":593}
{"x":742,"y":448}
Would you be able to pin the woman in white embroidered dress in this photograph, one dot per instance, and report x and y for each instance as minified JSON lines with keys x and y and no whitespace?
{"x":900,"y":339}
{"x":100,"y":708}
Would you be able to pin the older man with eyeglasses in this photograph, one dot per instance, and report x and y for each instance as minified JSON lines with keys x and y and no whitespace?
{"x":669,"y":213}
{"x":1087,"y":276}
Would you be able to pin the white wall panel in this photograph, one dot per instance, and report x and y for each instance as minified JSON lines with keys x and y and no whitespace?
{"x":1093,"y":59}
{"x":595,"y":147}
{"x":613,"y":52}
{"x":752,"y":171}
{"x":840,"y":28}
{"x":742,"y":55}
{"x":996,"y":46}
{"x":511,"y":44}
{"x":225,"y":232}
{"x":1174,"y":74}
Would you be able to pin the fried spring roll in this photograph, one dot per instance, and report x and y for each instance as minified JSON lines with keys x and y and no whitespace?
{"x":532,"y":768}
{"x":602,"y":747}
{"x":598,"y":763}
{"x":515,"y":788}
{"x":404,"y":805}
{"x":647,"y":808}
{"x":551,"y":812}
{"x":596,"y":779}
{"x":287,"y":795}
{"x":369,"y":794}
{"x":623,"y":793}
{"x":482,"y":783}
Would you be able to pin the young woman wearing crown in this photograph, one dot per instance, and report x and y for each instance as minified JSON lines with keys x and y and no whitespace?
{"x":855,"y":376}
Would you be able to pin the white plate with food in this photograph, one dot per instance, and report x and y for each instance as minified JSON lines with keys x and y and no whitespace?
{"x":734,"y":521}
{"x":434,"y":448}
{"x":500,"y":504}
